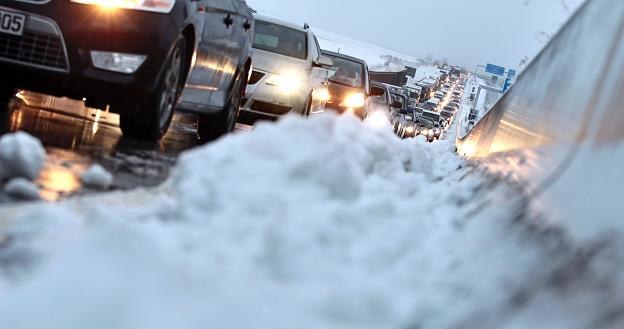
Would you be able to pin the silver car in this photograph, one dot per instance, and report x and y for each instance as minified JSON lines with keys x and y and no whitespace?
{"x":289,"y":74}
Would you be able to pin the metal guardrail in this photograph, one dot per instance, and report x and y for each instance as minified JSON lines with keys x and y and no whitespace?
{"x":572,"y":94}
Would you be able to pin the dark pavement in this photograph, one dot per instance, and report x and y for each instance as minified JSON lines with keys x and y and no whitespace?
{"x":75,"y":137}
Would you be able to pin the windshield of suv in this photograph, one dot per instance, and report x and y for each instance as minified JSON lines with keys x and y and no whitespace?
{"x":348,"y":72}
{"x":281,"y":40}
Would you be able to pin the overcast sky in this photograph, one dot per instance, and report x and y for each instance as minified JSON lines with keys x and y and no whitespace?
{"x":467,"y":32}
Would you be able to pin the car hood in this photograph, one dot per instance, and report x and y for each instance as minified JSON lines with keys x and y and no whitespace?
{"x":275,"y":63}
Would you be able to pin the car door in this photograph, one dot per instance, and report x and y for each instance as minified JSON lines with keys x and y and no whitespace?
{"x":214,"y":66}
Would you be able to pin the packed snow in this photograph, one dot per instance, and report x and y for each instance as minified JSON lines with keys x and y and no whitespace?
{"x":21,"y":155}
{"x":97,"y":177}
{"x":320,"y":223}
{"x":21,"y":189}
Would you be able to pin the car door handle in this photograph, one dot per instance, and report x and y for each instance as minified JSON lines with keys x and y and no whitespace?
{"x":247,"y":26}
{"x":228,"y":21}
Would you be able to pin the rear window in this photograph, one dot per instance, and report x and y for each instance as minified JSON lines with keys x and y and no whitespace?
{"x":281,"y":40}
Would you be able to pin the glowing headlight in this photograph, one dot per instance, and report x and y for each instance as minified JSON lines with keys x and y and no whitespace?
{"x":159,"y":6}
{"x":321,"y":94}
{"x":287,"y":82}
{"x":409,"y":129}
{"x":354,"y":100}
{"x":378,"y":120}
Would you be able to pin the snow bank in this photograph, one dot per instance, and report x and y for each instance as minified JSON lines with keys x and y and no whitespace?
{"x":320,"y":223}
{"x":97,"y":177}
{"x":21,"y":155}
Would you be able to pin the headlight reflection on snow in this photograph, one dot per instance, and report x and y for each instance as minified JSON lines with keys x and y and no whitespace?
{"x":59,"y":182}
{"x":378,"y":120}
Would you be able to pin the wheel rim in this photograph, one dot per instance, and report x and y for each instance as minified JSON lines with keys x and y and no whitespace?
{"x":169,"y":96}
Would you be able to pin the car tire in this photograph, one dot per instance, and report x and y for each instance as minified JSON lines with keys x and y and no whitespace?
{"x":211,"y":127}
{"x":151,"y":121}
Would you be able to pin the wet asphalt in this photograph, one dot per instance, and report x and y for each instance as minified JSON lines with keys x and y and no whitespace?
{"x":76,"y":137}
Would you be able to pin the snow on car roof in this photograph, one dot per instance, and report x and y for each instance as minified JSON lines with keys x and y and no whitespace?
{"x":281,"y":22}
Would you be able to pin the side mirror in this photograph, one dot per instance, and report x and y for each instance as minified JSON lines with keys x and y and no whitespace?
{"x":396,"y":105}
{"x":324,"y":62}
{"x":376,"y":92}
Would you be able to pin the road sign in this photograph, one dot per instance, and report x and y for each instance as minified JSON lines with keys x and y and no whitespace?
{"x":507,"y":84}
{"x":495,"y":69}
{"x":511,"y":74}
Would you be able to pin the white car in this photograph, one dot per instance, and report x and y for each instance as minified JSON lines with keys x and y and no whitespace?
{"x":289,"y":74}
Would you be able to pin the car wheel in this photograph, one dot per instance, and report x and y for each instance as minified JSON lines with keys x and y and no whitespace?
{"x":151,"y":121}
{"x":212,"y":126}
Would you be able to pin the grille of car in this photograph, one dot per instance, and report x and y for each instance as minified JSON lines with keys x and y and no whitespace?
{"x":255,"y":77}
{"x":34,"y":49}
{"x":270,"y":108}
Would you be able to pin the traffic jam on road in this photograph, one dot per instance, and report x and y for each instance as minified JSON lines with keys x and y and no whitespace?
{"x":182,"y":164}
{"x":180,"y":73}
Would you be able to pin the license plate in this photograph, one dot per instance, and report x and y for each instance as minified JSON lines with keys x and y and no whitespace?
{"x":12,"y":23}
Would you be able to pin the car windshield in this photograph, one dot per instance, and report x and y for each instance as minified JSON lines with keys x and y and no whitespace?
{"x":348,"y":72}
{"x":280,"y":40}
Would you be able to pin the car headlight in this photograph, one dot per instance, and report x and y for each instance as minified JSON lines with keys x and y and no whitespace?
{"x":409,"y":129}
{"x":287,"y":82}
{"x":354,"y":100}
{"x":159,"y":6}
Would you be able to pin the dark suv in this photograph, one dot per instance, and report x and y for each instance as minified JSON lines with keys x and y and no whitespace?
{"x":136,"y":56}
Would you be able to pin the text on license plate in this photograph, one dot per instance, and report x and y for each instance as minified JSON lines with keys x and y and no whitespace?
{"x":12,"y":23}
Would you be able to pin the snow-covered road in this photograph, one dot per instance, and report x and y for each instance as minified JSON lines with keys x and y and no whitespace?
{"x":321,"y":223}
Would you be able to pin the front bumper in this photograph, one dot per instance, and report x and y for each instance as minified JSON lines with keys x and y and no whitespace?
{"x":75,"y":30}
{"x":266,"y":101}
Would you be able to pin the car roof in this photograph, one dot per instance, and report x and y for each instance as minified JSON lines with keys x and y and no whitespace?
{"x":278,"y":21}
{"x":432,"y":112}
{"x":339,"y":55}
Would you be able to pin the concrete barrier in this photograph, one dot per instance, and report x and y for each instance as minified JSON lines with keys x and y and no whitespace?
{"x":562,"y":123}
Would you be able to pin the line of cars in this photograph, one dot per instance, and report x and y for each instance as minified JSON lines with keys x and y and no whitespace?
{"x":145,"y":59}
{"x":435,"y":115}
